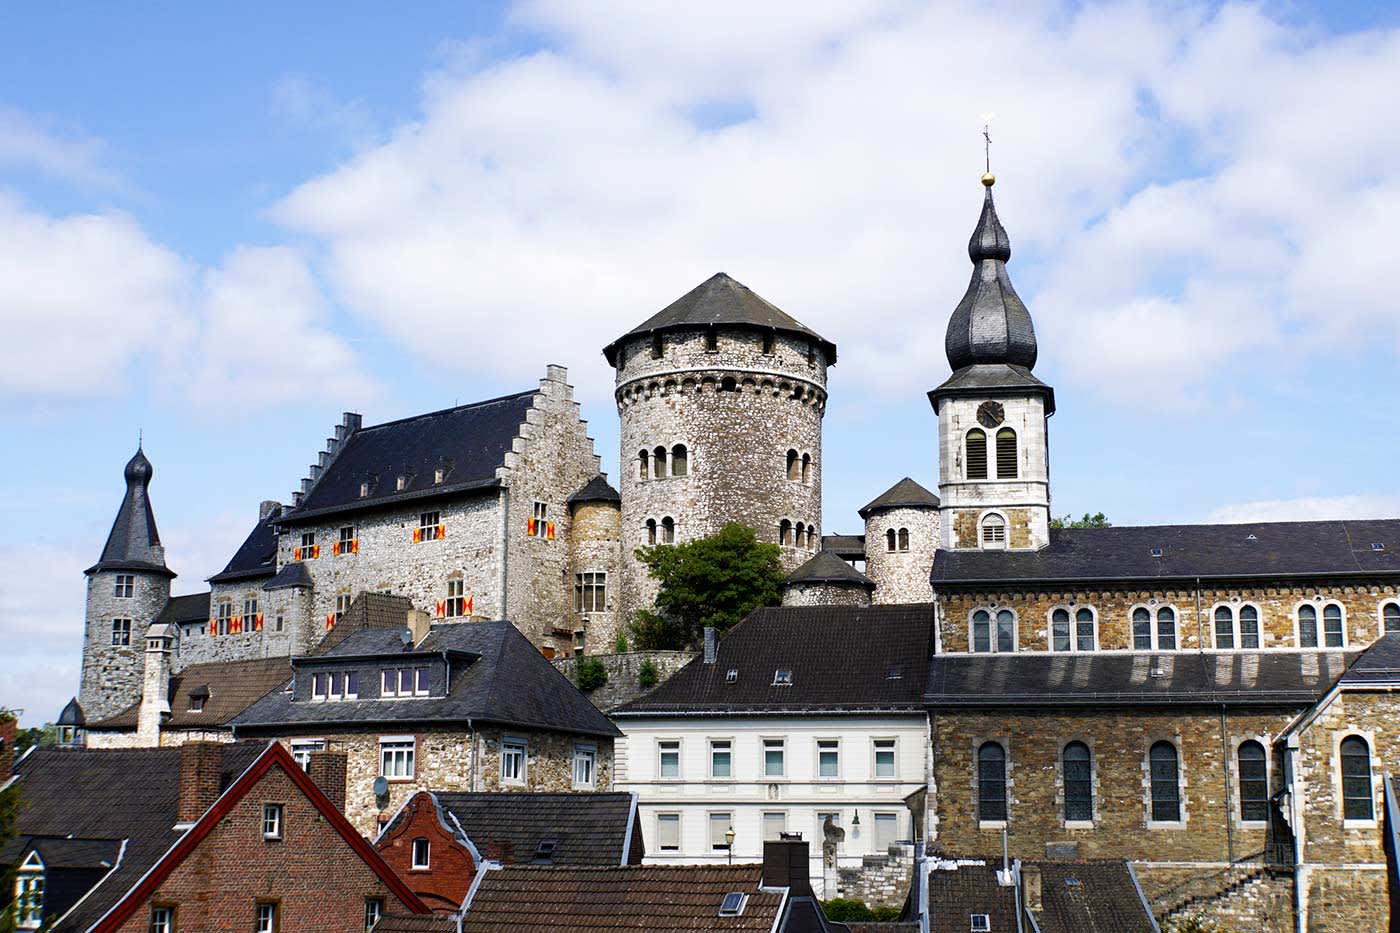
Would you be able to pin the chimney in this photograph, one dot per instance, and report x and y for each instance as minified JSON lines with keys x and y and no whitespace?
{"x":710,"y":646}
{"x":1030,"y":886}
{"x":786,"y":865}
{"x":502,"y":851}
{"x":418,"y":623}
{"x":155,"y":686}
{"x":9,"y":728}
{"x":268,"y":507}
{"x":329,"y":772}
{"x":201,"y":777}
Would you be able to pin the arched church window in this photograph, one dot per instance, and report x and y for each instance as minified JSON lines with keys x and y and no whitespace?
{"x":806,"y":468}
{"x":975,"y":463}
{"x":668,"y":530}
{"x":1006,"y":454}
{"x":1307,"y":626}
{"x":785,"y":532}
{"x":680,"y":460}
{"x":991,"y":783}
{"x":644,"y":460}
{"x":658,"y":462}
{"x":993,"y":532}
{"x":1356,"y":779}
{"x":800,"y":535}
{"x":1390,"y":619}
{"x":1333,"y":634}
{"x":1164,"y":769}
{"x":651,"y":531}
{"x":1254,"y":782}
{"x":1079,"y":783}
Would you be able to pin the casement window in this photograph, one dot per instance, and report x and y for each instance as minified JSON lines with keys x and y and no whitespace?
{"x":374,"y":909}
{"x":668,"y":832}
{"x":897,"y":539}
{"x":1390,"y":619}
{"x":991,"y":783}
{"x":1236,"y":629}
{"x":396,"y":757}
{"x":29,"y":893}
{"x":885,"y":766}
{"x":828,"y":758}
{"x":1006,"y":454}
{"x":269,"y":919}
{"x":302,"y":749}
{"x":252,"y":615}
{"x":1333,"y":632}
{"x":332,"y":686}
{"x":891,"y":541}
{"x":585,"y":767}
{"x":721,"y":758}
{"x":125,"y":586}
{"x":342,"y":606}
{"x":1254,"y":782}
{"x":591,"y":592}
{"x":348,"y":543}
{"x":162,"y":919}
{"x":774,"y":825}
{"x":1160,"y":636}
{"x":1080,"y":635}
{"x":422,"y":854}
{"x":1164,"y":770}
{"x":279,"y":623}
{"x":429,"y":527}
{"x":980,"y":923}
{"x":711,"y":340}
{"x":767,"y":348}
{"x":1357,"y":797}
{"x":680,"y":460}
{"x":403,"y":682}
{"x":309,"y":550}
{"x":990,"y":634}
{"x":272,"y":821}
{"x":669,"y":758}
{"x":513,"y":761}
{"x":223,"y":618}
{"x":1077,"y":768}
{"x":886,"y":830}
{"x":539,"y":525}
{"x":720,"y":823}
{"x":121,"y":632}
{"x":774,"y":757}
{"x":975,"y":461}
{"x":994,"y":533}
{"x":456,"y":605}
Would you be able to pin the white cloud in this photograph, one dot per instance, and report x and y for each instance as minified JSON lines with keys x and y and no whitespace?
{"x":305,"y":104}
{"x":1315,"y":508}
{"x":41,"y":627}
{"x":29,"y":143}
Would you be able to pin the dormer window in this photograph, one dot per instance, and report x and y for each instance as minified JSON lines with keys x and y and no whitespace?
{"x":733,"y":904}
{"x":198,"y":697}
{"x":782,"y":678}
{"x":29,"y":893}
{"x":439,"y":475}
{"x":1377,"y":546}
{"x":732,"y":675}
{"x":364,"y":490}
{"x":331,"y":686}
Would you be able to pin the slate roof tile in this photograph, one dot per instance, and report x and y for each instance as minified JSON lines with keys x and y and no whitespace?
{"x":134,"y":543}
{"x":904,"y":494}
{"x":256,"y":556}
{"x":587,"y":828}
{"x":1076,"y":897}
{"x":598,"y":489}
{"x":292,"y":575}
{"x":1379,"y":663}
{"x":827,"y":567}
{"x":185,"y":609}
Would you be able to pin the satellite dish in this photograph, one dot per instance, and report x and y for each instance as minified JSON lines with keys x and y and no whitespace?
{"x":381,"y":786}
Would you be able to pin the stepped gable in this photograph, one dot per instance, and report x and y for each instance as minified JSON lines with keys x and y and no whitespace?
{"x":598,"y":489}
{"x":1254,"y":550}
{"x":256,"y":556}
{"x":586,"y":828}
{"x":842,"y":658}
{"x":827,"y":567}
{"x":469,"y":443}
{"x":227,"y":688}
{"x":720,"y":301}
{"x":905,"y":494}
{"x":134,"y":543}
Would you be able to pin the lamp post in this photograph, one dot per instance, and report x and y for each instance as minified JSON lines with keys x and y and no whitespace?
{"x":729,"y":843}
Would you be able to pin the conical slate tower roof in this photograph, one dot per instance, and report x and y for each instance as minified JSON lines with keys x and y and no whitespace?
{"x":904,"y":494}
{"x":991,"y":323}
{"x":826,"y":567}
{"x":134,"y":542}
{"x":72,"y":714}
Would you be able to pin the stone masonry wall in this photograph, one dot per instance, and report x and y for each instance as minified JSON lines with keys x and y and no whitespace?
{"x":1236,"y":898}
{"x":624,"y":674}
{"x":901,"y":576}
{"x":825,"y":594}
{"x":112,"y":674}
{"x":1347,"y":900}
{"x":881,"y":880}
{"x":197,"y":646}
{"x":595,"y":546}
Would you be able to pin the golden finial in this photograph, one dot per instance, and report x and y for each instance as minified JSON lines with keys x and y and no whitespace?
{"x":988,"y":179}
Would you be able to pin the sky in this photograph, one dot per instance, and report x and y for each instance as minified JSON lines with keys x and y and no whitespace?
{"x":221,"y":225}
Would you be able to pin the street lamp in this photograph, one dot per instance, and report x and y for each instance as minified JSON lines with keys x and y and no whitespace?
{"x":729,"y":843}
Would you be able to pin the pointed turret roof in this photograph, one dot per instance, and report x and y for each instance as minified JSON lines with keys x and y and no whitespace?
{"x":72,"y":714}
{"x":827,"y":567}
{"x":598,"y":489}
{"x":905,"y":494}
{"x":724,"y":302}
{"x":134,"y":542}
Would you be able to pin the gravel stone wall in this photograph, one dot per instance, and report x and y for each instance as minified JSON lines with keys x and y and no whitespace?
{"x":901,"y":576}
{"x":112,"y":674}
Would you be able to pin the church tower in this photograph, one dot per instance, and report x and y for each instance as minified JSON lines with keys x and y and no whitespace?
{"x":994,"y":464}
{"x":126,"y":590}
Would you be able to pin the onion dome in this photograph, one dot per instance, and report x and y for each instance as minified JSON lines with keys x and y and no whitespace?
{"x":991,"y":323}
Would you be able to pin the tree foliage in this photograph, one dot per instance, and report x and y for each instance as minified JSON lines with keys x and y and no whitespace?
{"x":713,"y":581}
{"x":1097,"y":520}
{"x":647,"y":674}
{"x":591,"y":674}
{"x":845,"y":908}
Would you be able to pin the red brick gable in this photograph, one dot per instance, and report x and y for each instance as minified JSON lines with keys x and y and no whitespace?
{"x":452,"y":865}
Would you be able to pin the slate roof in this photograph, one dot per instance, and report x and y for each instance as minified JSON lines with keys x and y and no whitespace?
{"x":827,"y":567}
{"x":230,"y":687}
{"x":720,"y":300}
{"x":955,"y":893}
{"x":370,"y":610}
{"x":1270,"y":677}
{"x":1076,"y":897}
{"x":1380,"y":663}
{"x":134,"y":543}
{"x":981,"y":378}
{"x":182,"y":610}
{"x":902,"y":495}
{"x":587,"y":828}
{"x":256,"y":556}
{"x":509,"y":683}
{"x":655,"y":898}
{"x":72,"y":714}
{"x":293,"y":574}
{"x":1253,"y":550}
{"x":990,"y":323}
{"x":410,"y":923}
{"x":847,"y":547}
{"x":842,"y":659}
{"x":470,"y":441}
{"x":598,"y":489}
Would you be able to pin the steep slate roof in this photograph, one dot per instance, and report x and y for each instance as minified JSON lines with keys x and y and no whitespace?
{"x":1378,"y":664}
{"x":655,"y":898}
{"x":842,"y":658}
{"x":598,"y":489}
{"x":902,"y":495}
{"x":847,"y":547}
{"x":509,"y":682}
{"x":72,"y":714}
{"x":291,"y":575}
{"x":587,"y":828}
{"x":827,"y":567}
{"x":471,"y":441}
{"x":720,"y":300}
{"x":256,"y":556}
{"x":134,"y":543}
{"x":955,"y":893}
{"x":1244,"y":678}
{"x":1076,"y":897}
{"x":1258,"y":549}
{"x":230,"y":688}
{"x":185,"y":609}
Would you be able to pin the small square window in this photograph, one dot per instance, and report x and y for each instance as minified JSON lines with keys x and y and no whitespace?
{"x":733,"y":904}
{"x":268,"y":919}
{"x":125,"y":587}
{"x":668,"y":832}
{"x":731,"y":675}
{"x":513,"y":761}
{"x":162,"y":920}
{"x":670,"y":758}
{"x":981,"y":923}
{"x":272,"y":821}
{"x":422,"y":851}
{"x":782,"y":678}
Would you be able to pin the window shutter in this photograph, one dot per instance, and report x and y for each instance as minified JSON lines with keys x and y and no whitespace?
{"x":257,"y":622}
{"x":441,"y":531}
{"x":335,"y":549}
{"x":235,"y":624}
{"x":530,"y":527}
{"x":315,"y":551}
{"x":469,"y":607}
{"x":549,"y":530}
{"x":441,"y":608}
{"x":355,"y":546}
{"x":330,"y":621}
{"x":213,"y":626}
{"x":417,"y":535}
{"x":296,"y":553}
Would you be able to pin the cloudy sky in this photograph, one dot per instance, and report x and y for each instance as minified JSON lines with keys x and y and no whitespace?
{"x":223,"y":227}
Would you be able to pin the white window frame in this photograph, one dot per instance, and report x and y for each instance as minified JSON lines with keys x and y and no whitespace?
{"x":1319,"y":606}
{"x":31,"y":887}
{"x":402,"y":752}
{"x":585,"y":759}
{"x":1072,"y":609}
{"x":1380,"y":613}
{"x":891,"y":744}
{"x":267,"y":917}
{"x":818,"y":747}
{"x":889,"y":817}
{"x":162,"y":918}
{"x":374,"y":912}
{"x":121,"y":632}
{"x":993,"y":544}
{"x":517,"y":750}
{"x":591,"y":591}
{"x":764,"y":823}
{"x":992,"y":612}
{"x":272,"y":821}
{"x":673,"y":817}
{"x":728,"y":821}
{"x":1153,"y":631}
{"x":725,"y":745}
{"x":426,"y":862}
{"x":302,"y":749}
{"x":663,"y":747}
{"x":125,"y":582}
{"x":780,"y":744}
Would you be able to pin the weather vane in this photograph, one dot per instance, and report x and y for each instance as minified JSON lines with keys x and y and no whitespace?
{"x":988,"y":179}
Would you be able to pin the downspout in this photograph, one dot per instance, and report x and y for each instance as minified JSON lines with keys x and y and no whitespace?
{"x":503,"y":574}
{"x":1229,"y":804}
{"x":472,"y":781}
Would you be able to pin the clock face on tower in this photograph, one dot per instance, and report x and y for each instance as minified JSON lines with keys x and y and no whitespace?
{"x":990,"y":414}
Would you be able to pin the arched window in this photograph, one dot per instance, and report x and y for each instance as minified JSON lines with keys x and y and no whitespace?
{"x":1160,"y":638}
{"x":975,"y":463}
{"x":1254,"y":782}
{"x":644,"y":459}
{"x":651,"y":531}
{"x":1166,"y":792}
{"x":1006,"y":630}
{"x":668,"y":530}
{"x":1333,"y":635}
{"x":904,"y":539}
{"x":729,"y":384}
{"x":985,"y":638}
{"x":811,"y":537}
{"x":1224,"y":627}
{"x":890,"y":540}
{"x":1084,"y":629}
{"x":792,"y":467}
{"x":1307,"y":627}
{"x":1249,"y":627}
{"x":1356,"y":779}
{"x":994,"y":532}
{"x":1390,"y":619}
{"x":785,"y":532}
{"x":1079,"y":783}
{"x":991,"y":783}
{"x":799,"y":535}
{"x":1006,"y":454}
{"x":806,"y":468}
{"x":1079,"y":637}
{"x":1142,"y":629}
{"x":658,"y":462}
{"x":680,"y":460}
{"x":981,"y":630}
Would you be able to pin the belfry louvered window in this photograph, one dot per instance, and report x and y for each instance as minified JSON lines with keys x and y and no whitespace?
{"x":1356,"y":779}
{"x":975,"y":464}
{"x":1079,"y":783}
{"x":1254,"y":782}
{"x":1006,"y":454}
{"x":991,"y":783}
{"x":1166,"y":793}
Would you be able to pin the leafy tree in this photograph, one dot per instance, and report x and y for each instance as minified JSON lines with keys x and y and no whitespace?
{"x":1097,"y":520}
{"x":591,"y":674}
{"x":713,"y":581}
{"x":647,"y":674}
{"x":620,"y":646}
{"x":846,"y":908}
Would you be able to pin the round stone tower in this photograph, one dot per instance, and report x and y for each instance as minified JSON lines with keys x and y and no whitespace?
{"x":721,"y":396}
{"x":901,"y":534}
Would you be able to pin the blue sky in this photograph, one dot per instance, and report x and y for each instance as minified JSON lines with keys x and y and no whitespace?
{"x":223,"y":225}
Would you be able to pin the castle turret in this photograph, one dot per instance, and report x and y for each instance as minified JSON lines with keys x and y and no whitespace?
{"x":993,"y":445}
{"x":126,"y":590}
{"x":594,"y":558}
{"x":721,"y":396}
{"x":827,"y":580}
{"x":901,"y":534}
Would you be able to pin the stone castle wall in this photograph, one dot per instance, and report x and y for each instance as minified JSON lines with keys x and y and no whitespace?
{"x":624,"y":674}
{"x":595,"y":546}
{"x":112,"y":674}
{"x":825,"y":594}
{"x":901,"y":576}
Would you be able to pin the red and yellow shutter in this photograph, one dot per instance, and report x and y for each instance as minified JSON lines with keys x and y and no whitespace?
{"x":330,"y":621}
{"x":549,"y":530}
{"x":335,"y":549}
{"x":468,"y":610}
{"x":257,"y":622}
{"x":296,"y":553}
{"x":441,"y":531}
{"x":355,"y":546}
{"x":235,"y":625}
{"x":441,"y":608}
{"x":315,"y":551}
{"x":530,"y":527}
{"x":417,"y":535}
{"x":213,"y":626}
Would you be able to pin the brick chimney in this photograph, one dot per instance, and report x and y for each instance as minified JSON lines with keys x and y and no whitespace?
{"x":711,"y":645}
{"x":786,"y":865}
{"x":9,"y":728}
{"x":502,"y":851}
{"x":201,"y":776}
{"x":1031,"y":887}
{"x":328,"y":770}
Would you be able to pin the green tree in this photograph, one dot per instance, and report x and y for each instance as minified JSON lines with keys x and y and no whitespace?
{"x":713,"y":581}
{"x":647,"y":674}
{"x":42,"y":736}
{"x":591,"y":674}
{"x":1097,"y":520}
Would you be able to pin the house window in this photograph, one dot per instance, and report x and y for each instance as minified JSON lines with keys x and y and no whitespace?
{"x":767,"y":344}
{"x":903,"y":539}
{"x":774,"y":825}
{"x":994,"y":532}
{"x":591,"y":592}
{"x":668,"y":530}
{"x":422,"y":854}
{"x":348,"y":543}
{"x":668,"y":832}
{"x":121,"y":632}
{"x":585,"y":764}
{"x":828,"y":758}
{"x":1162,"y":636}
{"x":1164,"y":771}
{"x":721,"y":758}
{"x":720,"y":823}
{"x":197,"y":701}
{"x":272,"y":821}
{"x":711,"y":340}
{"x":1390,"y":619}
{"x":374,"y":909}
{"x":1356,"y":779}
{"x":513,"y":761}
{"x":1079,"y":783}
{"x":1254,"y":782}
{"x":302,"y":749}
{"x":335,"y":685}
{"x":364,"y":490}
{"x":342,"y":605}
{"x":250,"y":614}
{"x":539,"y":524}
{"x":774,"y":757}
{"x":991,"y":783}
{"x":396,"y":758}
{"x":308,"y":549}
{"x":403,"y":682}
{"x":987,"y":637}
{"x":224,"y":618}
{"x":1229,"y":635}
{"x":651,"y":532}
{"x":891,"y":541}
{"x":886,"y":830}
{"x":980,"y":923}
{"x":680,"y":460}
{"x":1081,"y":635}
{"x":162,"y":920}
{"x":884,"y":758}
{"x":1333,"y":633}
{"x":456,"y":604}
{"x":400,"y":483}
{"x":1225,"y":627}
{"x":125,"y":587}
{"x":1006,"y":454}
{"x":268,"y":919}
{"x":429,"y":526}
{"x":976,"y":461}
{"x":644,"y":462}
{"x":279,"y":623}
{"x":29,"y":893}
{"x":669,"y":753}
